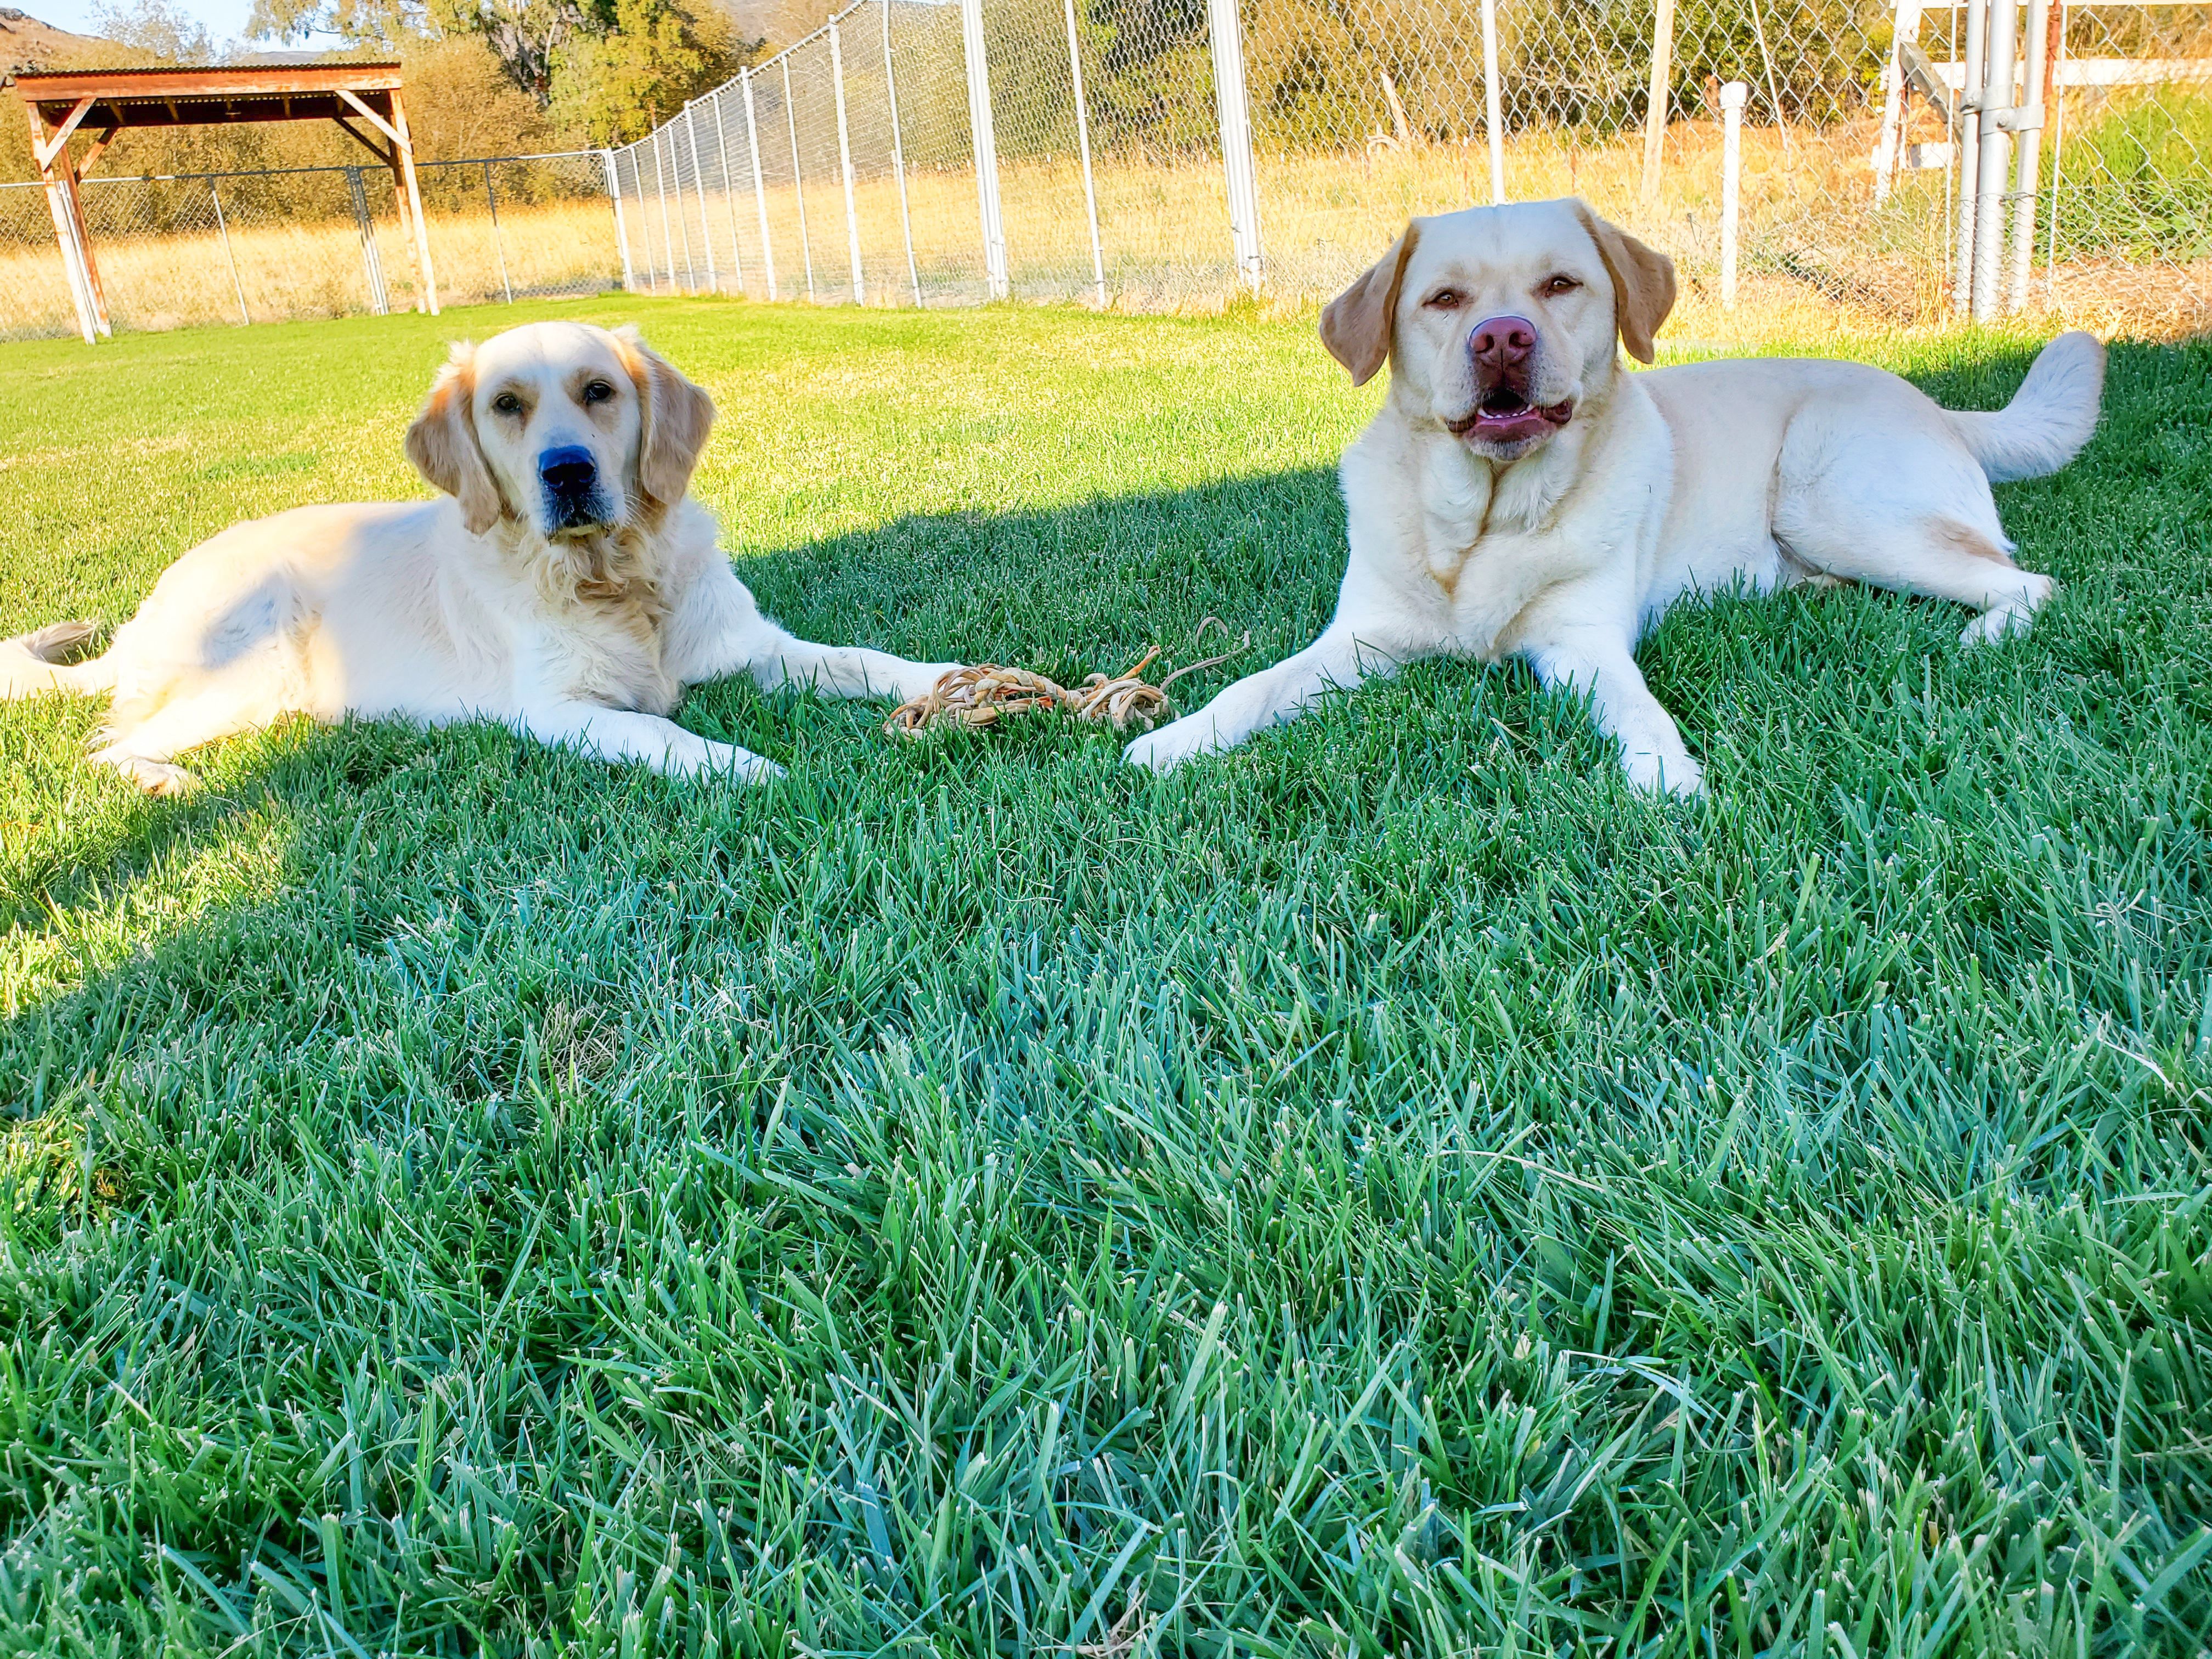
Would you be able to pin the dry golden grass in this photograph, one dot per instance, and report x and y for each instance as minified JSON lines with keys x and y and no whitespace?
{"x":1816,"y":253}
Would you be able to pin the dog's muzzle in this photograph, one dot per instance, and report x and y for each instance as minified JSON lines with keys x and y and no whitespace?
{"x":1503,"y":351}
{"x":571,"y":479}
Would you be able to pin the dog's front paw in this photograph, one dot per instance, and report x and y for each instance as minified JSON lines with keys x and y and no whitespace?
{"x":919,"y":679}
{"x":1675,"y":775}
{"x":155,"y":777}
{"x":739,"y":765}
{"x":1169,"y":747}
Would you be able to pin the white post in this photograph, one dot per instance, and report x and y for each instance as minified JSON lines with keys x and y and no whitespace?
{"x":798,"y":184}
{"x":622,"y":230}
{"x":699,"y":183}
{"x":729,"y":196}
{"x":1904,"y":31}
{"x":1996,"y":159}
{"x":845,"y":162}
{"x":223,"y":230}
{"x":2028,"y":124}
{"x":2056,"y":116}
{"x":660,"y":180}
{"x":1234,"y":115}
{"x":898,"y":156}
{"x":1083,"y":141}
{"x":986,"y":147}
{"x":760,"y":194}
{"x":1655,"y":113}
{"x":1734,"y":96}
{"x":79,"y":286}
{"x":1492,"y":122}
{"x":1965,"y":147}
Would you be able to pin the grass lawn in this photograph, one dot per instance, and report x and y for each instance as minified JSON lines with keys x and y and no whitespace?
{"x":1389,"y":1190}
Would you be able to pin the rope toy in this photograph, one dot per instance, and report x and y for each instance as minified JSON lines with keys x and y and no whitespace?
{"x":985,"y":693}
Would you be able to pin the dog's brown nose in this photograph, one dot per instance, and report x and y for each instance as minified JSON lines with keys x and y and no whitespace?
{"x":1500,"y":347}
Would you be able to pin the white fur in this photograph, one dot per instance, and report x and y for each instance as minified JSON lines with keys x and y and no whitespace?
{"x":1663,"y":486}
{"x":582,"y":637}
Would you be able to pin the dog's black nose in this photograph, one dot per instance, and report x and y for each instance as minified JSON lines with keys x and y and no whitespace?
{"x":1501,"y":347}
{"x":569,"y":470}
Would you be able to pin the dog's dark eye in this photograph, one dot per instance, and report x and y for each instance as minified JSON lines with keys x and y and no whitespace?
{"x":1562,"y":283}
{"x":507,"y":403}
{"x":597,"y":391}
{"x":1445,"y":299}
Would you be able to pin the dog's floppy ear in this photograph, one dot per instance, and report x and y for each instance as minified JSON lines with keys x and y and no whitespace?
{"x":442,"y":443}
{"x":1357,"y":325}
{"x":674,"y":416}
{"x":1642,"y":282}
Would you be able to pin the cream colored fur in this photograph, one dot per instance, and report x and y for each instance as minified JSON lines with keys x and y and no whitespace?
{"x":481,"y":605}
{"x":1657,"y":488}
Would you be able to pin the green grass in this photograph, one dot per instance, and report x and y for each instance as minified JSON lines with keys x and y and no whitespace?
{"x":1388,"y":1190}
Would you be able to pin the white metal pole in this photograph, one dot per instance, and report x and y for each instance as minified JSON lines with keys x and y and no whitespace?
{"x":668,"y":236}
{"x":699,"y":185}
{"x":984,"y":141}
{"x":729,"y":196}
{"x":1966,"y":147}
{"x":2058,"y":118}
{"x":898,"y":157}
{"x":1996,"y":158}
{"x":498,"y":242}
{"x":1904,"y":31}
{"x":683,"y":224}
{"x":1493,"y":122}
{"x":1662,"y":93}
{"x":759,"y":192}
{"x":223,"y":230}
{"x":1734,"y":96}
{"x":797,"y":183}
{"x":2029,"y":125}
{"x":622,"y":230}
{"x":1083,"y":140}
{"x":1234,"y":117}
{"x":845,"y":164}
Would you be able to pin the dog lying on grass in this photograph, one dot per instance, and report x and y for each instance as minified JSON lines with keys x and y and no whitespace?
{"x":564,"y":584}
{"x":1520,"y":494}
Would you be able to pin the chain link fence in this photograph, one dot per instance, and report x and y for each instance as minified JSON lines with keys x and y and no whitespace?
{"x":1893,"y":160}
{"x":258,"y":246}
{"x":1157,"y":154}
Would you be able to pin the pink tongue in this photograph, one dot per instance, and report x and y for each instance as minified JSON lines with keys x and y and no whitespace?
{"x":1522,"y":424}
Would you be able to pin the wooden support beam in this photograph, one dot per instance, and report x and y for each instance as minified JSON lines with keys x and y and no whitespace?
{"x":47,"y":148}
{"x":362,"y":138}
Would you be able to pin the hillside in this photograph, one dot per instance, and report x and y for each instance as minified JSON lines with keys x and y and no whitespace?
{"x":27,"y":44}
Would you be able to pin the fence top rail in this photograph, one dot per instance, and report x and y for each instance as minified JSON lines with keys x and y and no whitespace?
{"x":287,"y":173}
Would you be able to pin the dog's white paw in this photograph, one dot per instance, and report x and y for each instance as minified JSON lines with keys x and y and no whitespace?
{"x":921,"y":678}
{"x":739,"y":765}
{"x":155,"y":777}
{"x":1674,"y":774}
{"x":1169,"y":747}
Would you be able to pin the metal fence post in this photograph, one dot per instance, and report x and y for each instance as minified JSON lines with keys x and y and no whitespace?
{"x":1663,"y":87}
{"x":372,"y":263}
{"x":985,"y":144}
{"x":797,"y":183}
{"x":1965,"y":148}
{"x":1083,"y":139}
{"x":223,"y":229}
{"x":2028,"y":125}
{"x":898,"y":157}
{"x":661,"y":183}
{"x":729,"y":197}
{"x":682,"y":225}
{"x":845,"y":163}
{"x":1734,"y":96}
{"x":760,"y":194}
{"x":498,"y":242}
{"x":699,"y":183}
{"x":622,"y":230}
{"x":1996,"y":157}
{"x":1236,"y":120}
{"x":1494,"y":126}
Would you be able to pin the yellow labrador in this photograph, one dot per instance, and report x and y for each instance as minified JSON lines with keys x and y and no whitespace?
{"x":564,"y":584}
{"x":1520,"y":494}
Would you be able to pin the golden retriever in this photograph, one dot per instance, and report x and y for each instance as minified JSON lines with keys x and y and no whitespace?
{"x":564,"y":584}
{"x":1520,"y":494}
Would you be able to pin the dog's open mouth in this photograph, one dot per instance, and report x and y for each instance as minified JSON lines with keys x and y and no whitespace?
{"x":1506,"y":417}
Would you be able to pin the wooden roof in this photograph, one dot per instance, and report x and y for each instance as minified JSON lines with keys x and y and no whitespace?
{"x":207,"y":97}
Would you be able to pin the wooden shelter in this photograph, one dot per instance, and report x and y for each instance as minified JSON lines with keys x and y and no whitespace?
{"x":363,"y":98}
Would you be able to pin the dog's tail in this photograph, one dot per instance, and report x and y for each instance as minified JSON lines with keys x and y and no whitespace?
{"x":39,"y":661}
{"x":2050,"y":417}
